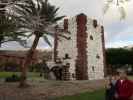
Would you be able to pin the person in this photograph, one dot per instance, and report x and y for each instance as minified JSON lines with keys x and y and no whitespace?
{"x":124,"y":87}
{"x":111,"y":88}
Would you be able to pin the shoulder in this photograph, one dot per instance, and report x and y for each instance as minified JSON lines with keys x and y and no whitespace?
{"x":129,"y":82}
{"x":118,"y":81}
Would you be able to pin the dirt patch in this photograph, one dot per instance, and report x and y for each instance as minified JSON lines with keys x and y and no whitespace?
{"x":47,"y":89}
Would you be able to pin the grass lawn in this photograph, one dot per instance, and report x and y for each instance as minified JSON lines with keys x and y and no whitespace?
{"x":96,"y":95}
{"x":8,"y":74}
{"x":130,"y":77}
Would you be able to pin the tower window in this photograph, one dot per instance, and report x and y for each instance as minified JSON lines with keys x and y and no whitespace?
{"x":69,"y":38}
{"x":67,"y":56}
{"x":97,"y":56}
{"x":91,"y":37}
{"x":95,"y":23}
{"x":93,"y":68}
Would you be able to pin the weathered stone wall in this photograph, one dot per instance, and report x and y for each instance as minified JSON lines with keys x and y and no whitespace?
{"x":69,"y":46}
{"x":85,"y":47}
{"x":94,"y":50}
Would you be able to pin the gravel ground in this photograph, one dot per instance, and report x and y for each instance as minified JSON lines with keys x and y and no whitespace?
{"x":47,"y":90}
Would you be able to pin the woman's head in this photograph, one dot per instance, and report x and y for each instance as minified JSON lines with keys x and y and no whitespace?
{"x":108,"y":79}
{"x":115,"y":76}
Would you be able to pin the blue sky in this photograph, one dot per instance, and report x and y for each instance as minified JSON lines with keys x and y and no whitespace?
{"x":117,"y":33}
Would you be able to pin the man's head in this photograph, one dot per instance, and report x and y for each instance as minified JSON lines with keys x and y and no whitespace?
{"x":123,"y":74}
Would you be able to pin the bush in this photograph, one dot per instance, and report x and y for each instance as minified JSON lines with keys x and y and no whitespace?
{"x":11,"y":66}
{"x":13,"y":78}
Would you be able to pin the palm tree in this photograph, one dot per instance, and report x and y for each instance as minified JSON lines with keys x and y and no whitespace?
{"x":9,"y":31}
{"x":119,"y":5}
{"x":37,"y":17}
{"x":8,"y":28}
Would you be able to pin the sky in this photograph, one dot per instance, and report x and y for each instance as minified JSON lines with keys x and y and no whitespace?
{"x":118,"y":33}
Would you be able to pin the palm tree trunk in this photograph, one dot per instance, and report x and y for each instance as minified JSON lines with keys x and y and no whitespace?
{"x":27,"y":62}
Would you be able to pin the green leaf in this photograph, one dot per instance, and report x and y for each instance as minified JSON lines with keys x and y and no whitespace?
{"x":47,"y":40}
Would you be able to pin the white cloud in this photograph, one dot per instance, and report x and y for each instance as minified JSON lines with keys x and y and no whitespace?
{"x":118,"y":44}
{"x":11,"y":46}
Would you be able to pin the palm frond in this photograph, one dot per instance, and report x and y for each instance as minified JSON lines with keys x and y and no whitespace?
{"x":122,"y":13}
{"x":119,"y":5}
{"x":109,"y":1}
{"x":47,"y":40}
{"x":127,"y":0}
{"x":106,"y":8}
{"x":58,"y":18}
{"x":64,"y":36}
{"x":50,"y":34}
{"x":29,"y":35}
{"x":21,"y":9}
{"x":121,"y":1}
{"x":19,"y":40}
{"x":36,"y":16}
{"x":23,"y":43}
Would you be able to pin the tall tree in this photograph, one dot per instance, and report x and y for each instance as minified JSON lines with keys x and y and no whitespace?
{"x":119,"y":56}
{"x":38,"y":17}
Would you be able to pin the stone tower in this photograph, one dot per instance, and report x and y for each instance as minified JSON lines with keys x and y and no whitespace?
{"x":84,"y":47}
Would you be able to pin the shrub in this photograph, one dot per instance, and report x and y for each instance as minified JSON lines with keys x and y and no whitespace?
{"x":13,"y":78}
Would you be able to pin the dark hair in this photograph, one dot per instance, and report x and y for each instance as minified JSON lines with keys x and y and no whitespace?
{"x":115,"y":73}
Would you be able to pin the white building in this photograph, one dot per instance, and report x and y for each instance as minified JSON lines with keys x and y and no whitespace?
{"x":84,"y":46}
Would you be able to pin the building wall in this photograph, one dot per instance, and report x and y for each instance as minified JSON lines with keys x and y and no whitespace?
{"x":81,"y":61}
{"x":69,"y":46}
{"x":94,"y":51}
{"x":85,"y":47}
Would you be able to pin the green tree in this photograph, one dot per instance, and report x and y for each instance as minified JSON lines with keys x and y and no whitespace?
{"x":39,"y":18}
{"x":119,"y":56}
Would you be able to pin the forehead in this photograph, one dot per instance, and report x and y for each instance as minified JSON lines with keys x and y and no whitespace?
{"x":108,"y":77}
{"x":123,"y":72}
